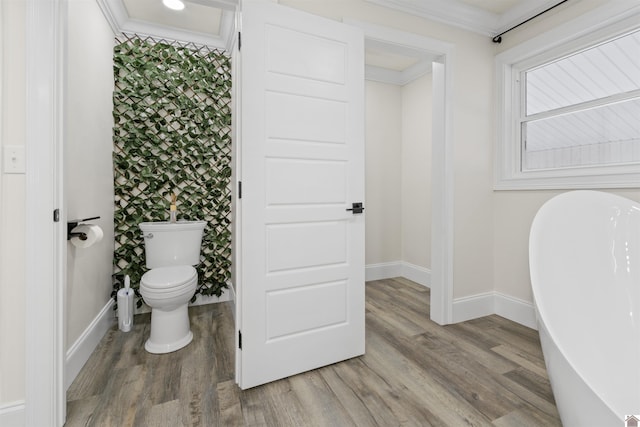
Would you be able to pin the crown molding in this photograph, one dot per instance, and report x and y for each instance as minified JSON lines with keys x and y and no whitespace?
{"x":118,"y":18}
{"x":229,"y":5}
{"x":449,"y":12}
{"x":228,"y":28}
{"x":402,"y":43}
{"x":471,"y":18}
{"x":398,"y":78}
{"x":522,"y":12}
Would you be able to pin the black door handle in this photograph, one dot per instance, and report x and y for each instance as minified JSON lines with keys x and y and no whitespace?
{"x":356,"y":208}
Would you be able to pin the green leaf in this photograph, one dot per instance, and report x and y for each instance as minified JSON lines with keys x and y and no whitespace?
{"x":172,"y":117}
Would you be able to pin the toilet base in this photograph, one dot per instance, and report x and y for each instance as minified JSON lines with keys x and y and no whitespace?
{"x":170,"y":330}
{"x":168,"y":348}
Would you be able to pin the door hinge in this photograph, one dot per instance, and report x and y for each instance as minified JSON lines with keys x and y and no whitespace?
{"x":56,"y":215}
{"x":239,"y":40}
{"x":239,"y":189}
{"x":240,"y":340}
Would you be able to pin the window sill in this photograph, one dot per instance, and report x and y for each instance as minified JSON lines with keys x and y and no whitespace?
{"x":571,"y":179}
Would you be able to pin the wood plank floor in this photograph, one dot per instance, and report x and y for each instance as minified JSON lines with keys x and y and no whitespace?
{"x":484,"y":372}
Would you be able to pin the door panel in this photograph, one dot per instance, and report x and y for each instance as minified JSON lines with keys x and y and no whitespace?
{"x":301,"y":293}
{"x":306,"y":244}
{"x":302,"y":303}
{"x":305,"y":118}
{"x":317,"y":181}
{"x":288,"y":55}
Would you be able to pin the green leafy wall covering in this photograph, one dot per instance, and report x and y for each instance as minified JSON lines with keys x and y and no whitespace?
{"x":172,"y":134}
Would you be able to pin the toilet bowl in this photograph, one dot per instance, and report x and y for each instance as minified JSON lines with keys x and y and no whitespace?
{"x":171,"y":251}
{"x":167,"y":290}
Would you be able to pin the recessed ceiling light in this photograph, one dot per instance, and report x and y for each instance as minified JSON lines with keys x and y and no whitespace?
{"x":173,"y":4}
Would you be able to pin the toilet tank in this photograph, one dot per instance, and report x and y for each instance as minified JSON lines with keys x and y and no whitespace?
{"x":172,"y":243}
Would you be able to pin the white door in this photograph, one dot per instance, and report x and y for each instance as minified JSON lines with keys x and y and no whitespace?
{"x":301,"y":284}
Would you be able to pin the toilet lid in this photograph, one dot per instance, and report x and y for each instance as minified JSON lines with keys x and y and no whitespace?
{"x":169,"y":277}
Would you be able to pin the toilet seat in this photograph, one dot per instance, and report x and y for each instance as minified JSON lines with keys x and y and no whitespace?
{"x":168,"y":280}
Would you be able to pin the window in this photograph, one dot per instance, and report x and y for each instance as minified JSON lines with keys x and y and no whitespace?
{"x":570,"y":114}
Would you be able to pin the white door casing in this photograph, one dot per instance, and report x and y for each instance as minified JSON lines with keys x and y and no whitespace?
{"x":45,"y":236}
{"x":442,"y":161}
{"x":302,"y":161}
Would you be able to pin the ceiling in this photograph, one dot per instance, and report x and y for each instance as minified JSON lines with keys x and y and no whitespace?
{"x":212,"y":22}
{"x":203,"y":22}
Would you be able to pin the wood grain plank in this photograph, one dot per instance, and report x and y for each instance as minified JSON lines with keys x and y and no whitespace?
{"x":81,"y":412}
{"x":319,"y":402}
{"x":119,"y":406}
{"x":526,"y":418}
{"x":277,"y":403}
{"x":230,"y":406}
{"x":348,"y":398}
{"x":487,"y":371}
{"x":378,"y":396}
{"x":435,"y":404}
{"x":521,"y":358}
{"x":166,"y":414}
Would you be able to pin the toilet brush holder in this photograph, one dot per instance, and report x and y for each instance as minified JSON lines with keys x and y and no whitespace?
{"x":125,"y":307}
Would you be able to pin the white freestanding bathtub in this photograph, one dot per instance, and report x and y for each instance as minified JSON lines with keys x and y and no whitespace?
{"x":584,"y":255}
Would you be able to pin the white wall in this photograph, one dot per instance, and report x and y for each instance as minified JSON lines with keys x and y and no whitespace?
{"x":473,"y":166}
{"x":398,"y":173}
{"x":12,"y":206}
{"x":472,"y":117}
{"x":383,"y":148}
{"x":88,"y":161}
{"x":416,"y":172}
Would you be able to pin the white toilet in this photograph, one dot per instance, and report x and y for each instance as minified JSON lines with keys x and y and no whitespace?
{"x":171,"y":251}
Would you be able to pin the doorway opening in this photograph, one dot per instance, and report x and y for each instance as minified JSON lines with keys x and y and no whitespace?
{"x":424,"y":193}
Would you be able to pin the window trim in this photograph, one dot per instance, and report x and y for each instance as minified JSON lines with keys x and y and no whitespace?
{"x":594,"y":27}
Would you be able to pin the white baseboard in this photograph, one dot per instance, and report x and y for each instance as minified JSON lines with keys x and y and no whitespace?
{"x":480,"y":305}
{"x":388,"y":270}
{"x":515,"y":309}
{"x":385,"y":270}
{"x":420,"y":275}
{"x":81,"y":350}
{"x":472,"y":307}
{"x":12,"y":414}
{"x":212,"y":299}
{"x":465,"y":308}
{"x":228,"y":295}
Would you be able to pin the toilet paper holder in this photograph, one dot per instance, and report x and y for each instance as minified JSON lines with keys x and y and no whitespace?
{"x":73,"y":224}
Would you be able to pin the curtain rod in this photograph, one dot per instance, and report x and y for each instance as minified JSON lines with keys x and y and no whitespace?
{"x":498,"y":38}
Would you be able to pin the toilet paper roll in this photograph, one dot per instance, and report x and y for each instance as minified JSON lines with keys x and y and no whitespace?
{"x":94,"y":235}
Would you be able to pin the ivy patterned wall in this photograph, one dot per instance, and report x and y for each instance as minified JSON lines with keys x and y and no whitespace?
{"x":172,"y":134}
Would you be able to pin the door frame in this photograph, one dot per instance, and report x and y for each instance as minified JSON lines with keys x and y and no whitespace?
{"x":442,"y":162}
{"x":45,"y":397}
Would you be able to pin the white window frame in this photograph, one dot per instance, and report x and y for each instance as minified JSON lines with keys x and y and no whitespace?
{"x":612,"y":19}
